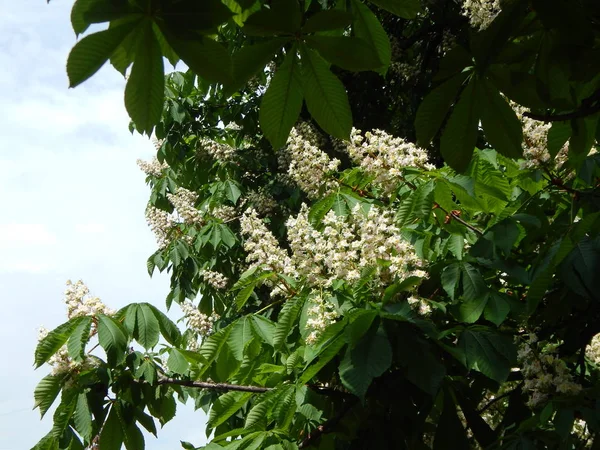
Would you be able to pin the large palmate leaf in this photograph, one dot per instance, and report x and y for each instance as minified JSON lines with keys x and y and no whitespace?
{"x":326,"y":98}
{"x":368,"y":27}
{"x":282,"y":102}
{"x":46,"y":392}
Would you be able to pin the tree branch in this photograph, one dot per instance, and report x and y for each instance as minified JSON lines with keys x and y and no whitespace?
{"x":589,"y":106}
{"x":459,"y":220}
{"x":215,"y":386}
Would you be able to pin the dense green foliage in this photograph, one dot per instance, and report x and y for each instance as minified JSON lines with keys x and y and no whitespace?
{"x":345,"y":292}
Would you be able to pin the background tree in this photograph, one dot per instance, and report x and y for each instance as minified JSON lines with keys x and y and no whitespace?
{"x":345,"y":288}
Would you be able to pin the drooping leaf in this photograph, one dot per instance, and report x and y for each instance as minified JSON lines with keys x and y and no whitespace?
{"x":407,"y":9}
{"x":325,"y":95}
{"x":368,"y":27}
{"x":177,"y":362}
{"x":497,"y":308}
{"x":168,"y":329}
{"x":283,"y":17}
{"x":79,"y":338}
{"x":90,"y":54}
{"x":112,"y":337}
{"x":225,"y":406}
{"x":460,"y":134}
{"x":435,"y":107}
{"x":287,"y":320}
{"x":282,"y":102}
{"x":55,"y":339}
{"x":86,"y":12}
{"x":326,"y":20}
{"x":83,"y":418}
{"x":501,"y":126}
{"x":46,"y":392}
{"x":144,"y":92}
{"x":350,"y":53}
{"x":488,"y":352}
{"x":147,"y":327}
{"x":240,"y":337}
{"x":111,"y":436}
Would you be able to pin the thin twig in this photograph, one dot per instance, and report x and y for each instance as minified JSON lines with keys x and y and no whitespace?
{"x":215,"y":386}
{"x":459,"y":220}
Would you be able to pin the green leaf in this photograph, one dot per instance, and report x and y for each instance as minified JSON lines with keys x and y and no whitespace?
{"x":83,"y":418}
{"x":63,"y":414}
{"x":55,"y":339}
{"x":359,"y":325}
{"x":79,"y":338}
{"x":460,"y":135}
{"x":558,"y":135}
{"x":177,"y":362}
{"x":146,"y":421}
{"x":112,"y":337}
{"x":434,"y":108}
{"x":407,"y":9}
{"x":264,"y":328}
{"x":133,"y":437}
{"x":282,"y":18}
{"x":144,"y":92}
{"x":369,"y":359}
{"x":474,"y":287}
{"x":89,"y":54}
{"x":488,"y":352}
{"x":46,"y":392}
{"x":327,"y":20}
{"x":325,"y":95}
{"x":471,"y":310}
{"x":48,"y":442}
{"x":450,"y":279}
{"x":251,"y":59}
{"x":350,"y":53}
{"x":191,"y":17}
{"x":328,"y":351}
{"x":240,"y":337}
{"x":319,"y":209}
{"x":86,"y":12}
{"x":450,"y":432}
{"x":211,"y":347}
{"x":225,"y":406}
{"x":501,"y":126}
{"x":286,"y":320}
{"x":244,"y":294}
{"x":282,"y":102}
{"x":111,"y":436}
{"x":497,"y":308}
{"x":167,"y":328}
{"x":368,"y":27}
{"x":147,"y":328}
{"x":207,"y":58}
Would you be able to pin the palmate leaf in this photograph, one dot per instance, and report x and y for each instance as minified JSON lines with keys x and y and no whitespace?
{"x":327,"y":352}
{"x":325,"y":95}
{"x":287,"y":320}
{"x":327,"y":20}
{"x":240,"y":337}
{"x":460,"y":135}
{"x":282,"y":102}
{"x":434,"y":108}
{"x":111,"y":436}
{"x":144,"y":92}
{"x":211,"y":347}
{"x":147,"y":328}
{"x":350,"y":53}
{"x":407,"y":9}
{"x":86,"y":12}
{"x":55,"y":339}
{"x":488,"y":352}
{"x":82,"y":418}
{"x":264,"y":328}
{"x":283,"y":17}
{"x":369,"y":359}
{"x":90,"y":54}
{"x":177,"y":362}
{"x":112,"y":337}
{"x":79,"y":338}
{"x":168,"y":329}
{"x":63,"y":413}
{"x":501,"y":126}
{"x":367,"y":27}
{"x":46,"y":392}
{"x":225,"y":406}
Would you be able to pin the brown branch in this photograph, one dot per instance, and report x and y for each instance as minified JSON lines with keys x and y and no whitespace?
{"x":215,"y":386}
{"x":497,"y":399}
{"x":461,"y":221}
{"x":589,"y":106}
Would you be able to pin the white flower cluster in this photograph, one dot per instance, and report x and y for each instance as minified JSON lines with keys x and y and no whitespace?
{"x":184,"y":202}
{"x":348,"y":244}
{"x":262,"y":247}
{"x":320,"y":314}
{"x":309,"y":166}
{"x":215,"y":279}
{"x":544,"y":372}
{"x":592,"y":351}
{"x":225,"y":213}
{"x":481,"y":13}
{"x":535,"y":140}
{"x":384,"y":157}
{"x":154,"y":167}
{"x":161,"y":224}
{"x":79,"y":303}
{"x":198,"y":322}
{"x":220,"y":152}
{"x":419,"y":305}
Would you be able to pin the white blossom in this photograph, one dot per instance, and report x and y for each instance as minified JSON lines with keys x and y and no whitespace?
{"x":385,"y":157}
{"x":61,"y":363}
{"x":215,"y":279}
{"x":225,"y":213}
{"x":198,"y":322}
{"x":308,"y":166}
{"x":154,"y":167}
{"x":220,"y":152}
{"x":321,"y":314}
{"x":161,"y":223}
{"x":419,"y":305}
{"x":80,"y":303}
{"x":261,"y":201}
{"x":184,"y":202}
{"x":481,"y":13}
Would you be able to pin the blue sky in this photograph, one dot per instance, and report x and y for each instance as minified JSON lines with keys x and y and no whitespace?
{"x":73,"y":205}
